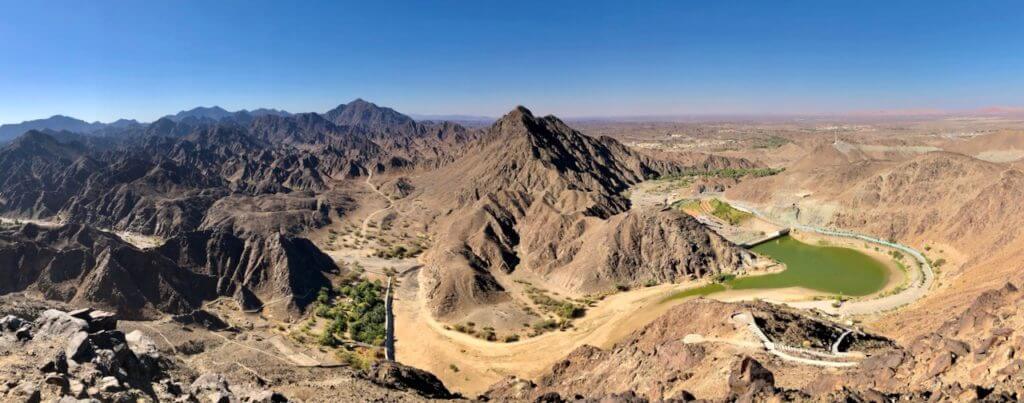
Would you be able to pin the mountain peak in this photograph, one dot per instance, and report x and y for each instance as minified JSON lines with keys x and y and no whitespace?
{"x":518,"y":113}
{"x":360,"y":112}
{"x":518,"y":119}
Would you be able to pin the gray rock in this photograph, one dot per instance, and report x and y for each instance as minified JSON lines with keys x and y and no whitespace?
{"x":109,"y":384}
{"x":55,"y":324}
{"x":11,"y":323}
{"x":23,"y":333}
{"x":78,"y":347}
{"x":749,"y":377}
{"x":212,"y":387}
{"x":101,"y":320}
{"x":58,"y":364}
{"x":82,"y":313}
{"x":76,"y":388}
{"x":266,"y":396}
{"x":141,"y":345}
{"x":395,"y":375}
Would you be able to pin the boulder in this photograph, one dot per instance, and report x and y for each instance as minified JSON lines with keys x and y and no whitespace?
{"x":11,"y":323}
{"x":23,"y":333}
{"x":56,"y":324}
{"x":749,"y":377}
{"x":141,"y":345}
{"x":78,"y":347}
{"x":940,"y":364}
{"x":102,"y":320}
{"x":266,"y":396}
{"x":212,"y":388}
{"x":58,"y":364}
{"x":203,"y":318}
{"x":109,"y":384}
{"x":397,"y":376}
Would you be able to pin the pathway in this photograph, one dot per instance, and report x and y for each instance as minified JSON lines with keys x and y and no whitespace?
{"x":376,"y":189}
{"x":783,"y":351}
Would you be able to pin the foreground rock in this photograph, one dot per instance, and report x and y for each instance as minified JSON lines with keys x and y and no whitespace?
{"x":81,"y":355}
{"x":395,"y":375}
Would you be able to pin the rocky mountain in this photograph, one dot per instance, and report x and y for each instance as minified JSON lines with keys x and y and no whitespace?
{"x":370,"y":116}
{"x":255,"y":270}
{"x":59,"y":123}
{"x":534,"y":197}
{"x":164,"y":181}
{"x":216,"y":114}
{"x":696,"y":351}
{"x":86,"y":267}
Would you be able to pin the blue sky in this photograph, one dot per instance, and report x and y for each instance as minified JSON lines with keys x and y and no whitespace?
{"x":101,"y":60}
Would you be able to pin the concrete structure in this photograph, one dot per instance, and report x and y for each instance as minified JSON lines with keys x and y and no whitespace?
{"x":767,"y":237}
{"x":389,"y":324}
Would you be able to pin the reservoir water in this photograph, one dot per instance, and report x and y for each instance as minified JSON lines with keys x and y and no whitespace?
{"x":829,"y":269}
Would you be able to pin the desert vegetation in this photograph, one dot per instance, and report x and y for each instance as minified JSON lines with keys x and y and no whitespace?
{"x":354,"y":312}
{"x":727,"y":213}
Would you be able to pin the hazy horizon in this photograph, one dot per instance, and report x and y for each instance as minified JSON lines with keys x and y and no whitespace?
{"x":113,"y":60}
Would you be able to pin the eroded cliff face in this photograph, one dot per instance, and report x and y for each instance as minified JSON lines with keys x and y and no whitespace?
{"x":275,"y":272}
{"x":535,"y":195}
{"x":88,"y":267}
{"x":83,"y":266}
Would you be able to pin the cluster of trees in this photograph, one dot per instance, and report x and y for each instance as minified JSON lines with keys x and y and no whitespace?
{"x":355,"y":311}
{"x":734,"y":173}
{"x":726,"y":212}
{"x":399,"y":252}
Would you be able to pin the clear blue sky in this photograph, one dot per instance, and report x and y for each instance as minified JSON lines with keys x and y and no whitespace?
{"x":142,"y":59}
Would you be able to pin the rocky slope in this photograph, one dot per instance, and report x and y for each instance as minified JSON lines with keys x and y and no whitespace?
{"x":537,"y":197}
{"x":663,"y":360}
{"x":657,"y":362}
{"x":86,"y":267}
{"x":52,"y":355}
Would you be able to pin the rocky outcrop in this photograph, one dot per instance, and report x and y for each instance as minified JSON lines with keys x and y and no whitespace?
{"x":397,"y":376}
{"x":90,"y":359}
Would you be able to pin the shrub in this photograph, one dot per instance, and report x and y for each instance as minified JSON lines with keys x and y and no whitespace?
{"x":546,"y":324}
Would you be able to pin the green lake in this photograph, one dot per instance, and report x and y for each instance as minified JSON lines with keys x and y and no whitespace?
{"x":830,"y":269}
